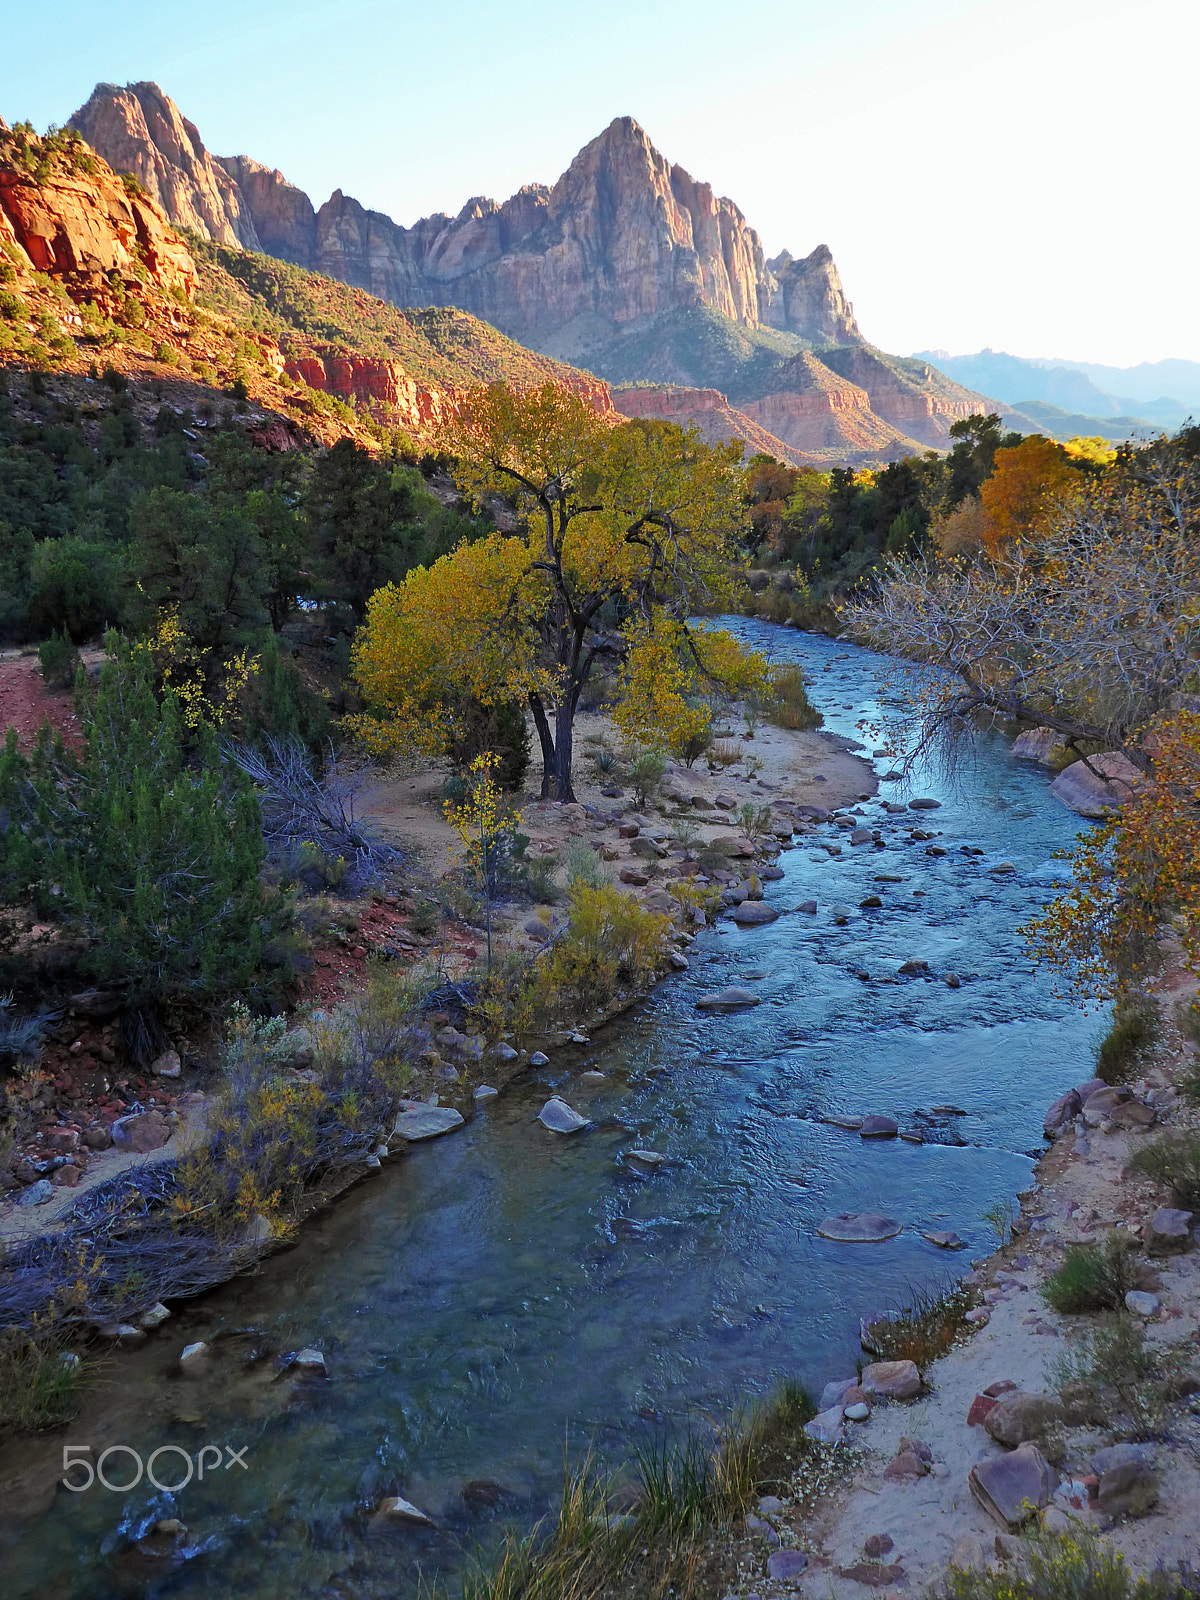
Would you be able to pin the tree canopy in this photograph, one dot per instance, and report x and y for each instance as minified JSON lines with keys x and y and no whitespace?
{"x":624,"y":532}
{"x":1088,"y":628}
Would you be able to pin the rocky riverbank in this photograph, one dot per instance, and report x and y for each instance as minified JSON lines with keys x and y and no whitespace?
{"x":950,"y":1465}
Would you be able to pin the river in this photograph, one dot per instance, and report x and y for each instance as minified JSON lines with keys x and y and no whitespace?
{"x":503,"y":1298}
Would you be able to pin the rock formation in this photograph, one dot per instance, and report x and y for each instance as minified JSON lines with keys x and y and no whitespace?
{"x":622,"y":234}
{"x":710,"y":412}
{"x":140,"y":130}
{"x":81,"y":226}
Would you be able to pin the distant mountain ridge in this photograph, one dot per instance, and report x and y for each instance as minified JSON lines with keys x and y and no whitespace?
{"x":627,"y":266}
{"x":1155,"y":394}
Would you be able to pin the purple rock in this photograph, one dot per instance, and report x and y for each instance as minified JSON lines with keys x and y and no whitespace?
{"x":786,"y":1564}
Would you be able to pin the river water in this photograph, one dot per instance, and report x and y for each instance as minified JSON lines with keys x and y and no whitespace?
{"x":504,"y":1299}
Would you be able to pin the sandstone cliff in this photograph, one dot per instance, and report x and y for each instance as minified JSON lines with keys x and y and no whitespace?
{"x":140,"y":130}
{"x":910,"y":394}
{"x":710,"y":412}
{"x":622,"y":235}
{"x":815,"y":410}
{"x":82,"y":227}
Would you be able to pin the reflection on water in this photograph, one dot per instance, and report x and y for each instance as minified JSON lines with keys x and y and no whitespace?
{"x":504,"y":1292}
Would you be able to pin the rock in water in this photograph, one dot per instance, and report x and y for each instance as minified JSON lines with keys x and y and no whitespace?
{"x":1039,"y":744}
{"x":945,"y":1241}
{"x":427,"y":1122}
{"x":751,"y":913}
{"x":559,"y":1117}
{"x":878,"y":1128}
{"x":1100,"y":784}
{"x":859,"y":1227}
{"x":396,"y":1509}
{"x":732,"y":999}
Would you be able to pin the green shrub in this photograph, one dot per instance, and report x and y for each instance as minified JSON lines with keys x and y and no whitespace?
{"x":1074,"y":1566}
{"x":610,"y":941}
{"x":72,"y":588}
{"x":787,"y":704}
{"x":1134,"y":1030}
{"x":39,"y":1379}
{"x":1111,"y":1377}
{"x":1173,"y":1159}
{"x":645,"y":774}
{"x":60,"y":661}
{"x":585,"y":866}
{"x":147,"y":845}
{"x":500,"y":729}
{"x":1093,"y":1277}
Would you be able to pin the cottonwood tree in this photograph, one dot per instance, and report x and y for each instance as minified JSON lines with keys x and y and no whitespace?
{"x":1090,"y":629}
{"x":626,"y":528}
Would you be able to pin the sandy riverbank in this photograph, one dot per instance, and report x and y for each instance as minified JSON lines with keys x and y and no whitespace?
{"x":900,"y":1533}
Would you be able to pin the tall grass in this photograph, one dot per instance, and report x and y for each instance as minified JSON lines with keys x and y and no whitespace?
{"x":688,"y":1489}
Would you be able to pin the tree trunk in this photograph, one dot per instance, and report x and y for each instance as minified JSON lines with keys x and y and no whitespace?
{"x":564,"y":719}
{"x":546,"y":739}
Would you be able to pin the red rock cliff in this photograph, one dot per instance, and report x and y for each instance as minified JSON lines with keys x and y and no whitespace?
{"x":80,"y":226}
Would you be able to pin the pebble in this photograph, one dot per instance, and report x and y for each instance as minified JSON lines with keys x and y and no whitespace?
{"x":539,"y":1059}
{"x":485,"y":1091}
{"x":1142,"y":1304}
{"x":858,"y":1412}
{"x":194,"y":1356}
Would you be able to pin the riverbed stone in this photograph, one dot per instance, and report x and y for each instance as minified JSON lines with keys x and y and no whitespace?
{"x":1062,"y":1113}
{"x":1098,"y":785}
{"x":427,"y":1122}
{"x":785,"y":1566}
{"x":731,"y":999}
{"x":539,"y":1059}
{"x":1141,"y":1303}
{"x":924,"y":803}
{"x":1019,"y":1417}
{"x":858,"y":1412}
{"x":397,"y":1509}
{"x":141,"y":1132}
{"x":167,"y":1065}
{"x":1043,"y":745}
{"x":559,"y":1117}
{"x":826,"y":1426}
{"x":808,"y":907}
{"x":193,"y":1358}
{"x":892,"y":1380}
{"x":154,"y":1318}
{"x":1013,"y":1487}
{"x":834,"y":1394}
{"x":37,"y":1193}
{"x":945,"y":1241}
{"x":123,"y":1334}
{"x":879,"y":1128}
{"x":859,"y":1227}
{"x":1170,"y":1231}
{"x":1129,"y":1484}
{"x":752,"y":913}
{"x":485,"y":1091}
{"x":308,"y":1361}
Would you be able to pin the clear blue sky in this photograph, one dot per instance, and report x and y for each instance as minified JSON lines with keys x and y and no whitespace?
{"x":1013,"y":173}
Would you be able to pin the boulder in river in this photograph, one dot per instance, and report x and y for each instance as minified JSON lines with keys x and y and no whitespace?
{"x":427,"y":1122}
{"x":559,"y":1117}
{"x":1098,"y":785}
{"x":924,"y":803}
{"x":397,"y":1509}
{"x":879,"y":1128}
{"x":859,"y":1227}
{"x":1043,"y":745}
{"x":752,"y":913}
{"x":732,"y":999}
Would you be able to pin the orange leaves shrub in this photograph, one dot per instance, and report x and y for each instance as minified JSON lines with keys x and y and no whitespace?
{"x":1138,"y":868}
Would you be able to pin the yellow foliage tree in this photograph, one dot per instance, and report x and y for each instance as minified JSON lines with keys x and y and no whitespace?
{"x":1133,"y":871}
{"x":668,"y":670}
{"x":1028,"y":484}
{"x":633,"y":523}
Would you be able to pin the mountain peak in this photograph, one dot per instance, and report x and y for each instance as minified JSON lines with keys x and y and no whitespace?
{"x":622,"y":235}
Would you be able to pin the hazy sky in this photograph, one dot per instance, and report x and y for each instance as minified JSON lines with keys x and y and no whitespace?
{"x":1012,"y":173}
